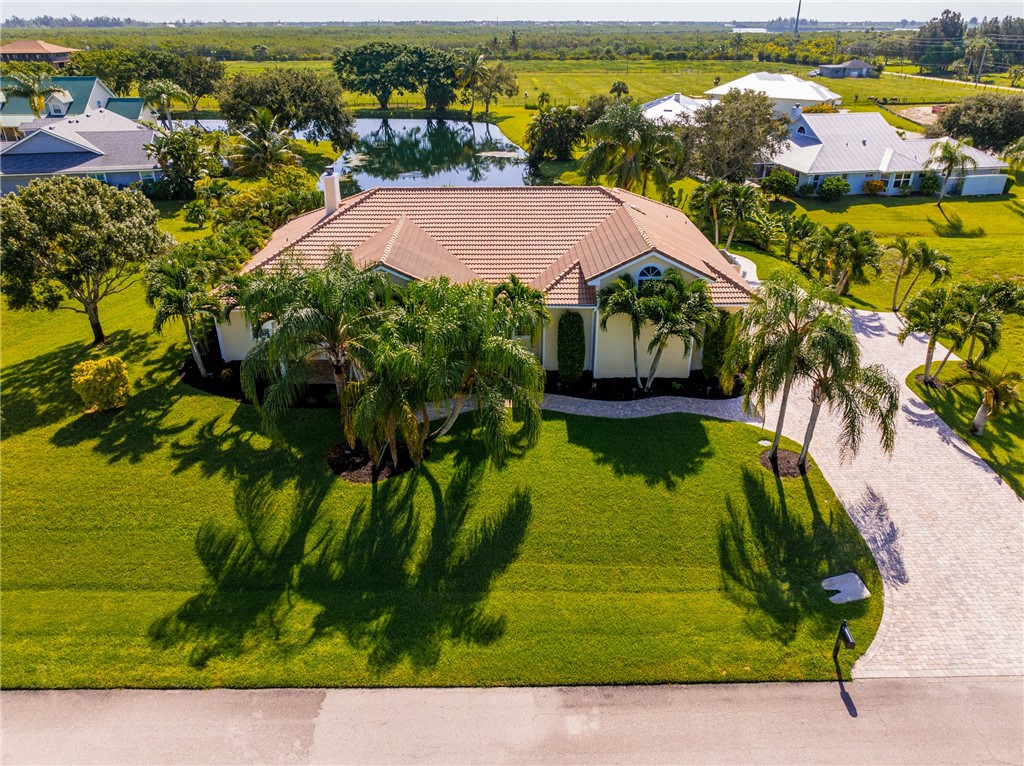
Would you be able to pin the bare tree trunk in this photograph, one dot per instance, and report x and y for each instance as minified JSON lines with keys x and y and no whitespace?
{"x":980,"y":419}
{"x":809,"y":433}
{"x":928,"y":360}
{"x":654,"y":367}
{"x":92,"y":311}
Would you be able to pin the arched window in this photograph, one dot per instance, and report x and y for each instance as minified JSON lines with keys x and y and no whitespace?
{"x":648,"y":274}
{"x":801,"y":129}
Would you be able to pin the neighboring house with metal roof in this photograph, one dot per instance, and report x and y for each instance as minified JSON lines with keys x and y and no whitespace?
{"x":77,"y":95}
{"x":790,"y":94}
{"x":36,"y":51}
{"x":851,"y":68}
{"x":862,"y":146}
{"x":669,"y":109}
{"x":565,"y":241}
{"x":98,"y":144}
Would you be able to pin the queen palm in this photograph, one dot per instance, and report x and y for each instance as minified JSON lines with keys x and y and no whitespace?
{"x":771,"y":338}
{"x":34,"y":87}
{"x":708,"y":201}
{"x":178,"y":286}
{"x":631,"y":149}
{"x":916,"y":259}
{"x":678,"y":309}
{"x":950,"y":158}
{"x":624,"y":297}
{"x":861,"y":395}
{"x":1000,"y":391}
{"x":319,"y":314}
{"x":933,"y":313}
{"x":262,"y":145}
{"x":743,"y":204}
{"x":161,"y":94}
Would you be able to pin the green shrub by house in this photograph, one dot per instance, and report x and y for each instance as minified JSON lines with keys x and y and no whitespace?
{"x":779,"y":183}
{"x":833,"y":188}
{"x":102,"y":383}
{"x":930,"y":183}
{"x":715,"y":342}
{"x":874,"y":188}
{"x":571,"y":347}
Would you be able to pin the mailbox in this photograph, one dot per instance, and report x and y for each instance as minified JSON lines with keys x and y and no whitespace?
{"x":844,"y":638}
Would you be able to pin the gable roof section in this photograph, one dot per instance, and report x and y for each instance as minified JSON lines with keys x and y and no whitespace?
{"x":779,"y":87}
{"x":559,"y":239}
{"x":78,"y":90}
{"x":132,"y":108}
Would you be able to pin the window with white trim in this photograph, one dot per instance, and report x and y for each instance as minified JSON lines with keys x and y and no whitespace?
{"x":899,"y":180}
{"x":648,"y":274}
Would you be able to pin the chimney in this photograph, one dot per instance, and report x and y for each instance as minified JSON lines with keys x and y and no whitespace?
{"x":332,"y":190}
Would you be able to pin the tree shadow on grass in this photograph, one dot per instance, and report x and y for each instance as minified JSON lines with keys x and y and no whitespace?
{"x":954,"y":226}
{"x":773,"y":562}
{"x":37,"y":391}
{"x":664,"y":449}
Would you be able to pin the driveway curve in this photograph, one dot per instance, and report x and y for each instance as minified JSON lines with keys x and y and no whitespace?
{"x":946,"y":530}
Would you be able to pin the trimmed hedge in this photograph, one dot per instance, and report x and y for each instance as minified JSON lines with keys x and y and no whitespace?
{"x":102,"y":383}
{"x":833,"y":188}
{"x":572,"y":347}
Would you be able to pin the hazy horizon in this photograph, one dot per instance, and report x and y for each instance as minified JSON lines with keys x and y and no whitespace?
{"x":506,"y":11}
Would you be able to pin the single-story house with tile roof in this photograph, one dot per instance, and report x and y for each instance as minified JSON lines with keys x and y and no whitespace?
{"x":669,"y":109}
{"x":565,"y":241}
{"x":862,"y":146}
{"x":851,"y":68}
{"x":78,"y":95}
{"x":790,"y":94}
{"x":99,"y":144}
{"x":36,"y":50}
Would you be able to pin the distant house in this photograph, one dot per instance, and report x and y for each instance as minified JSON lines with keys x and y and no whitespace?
{"x":36,"y":51}
{"x":790,"y":94}
{"x":78,"y":95}
{"x":862,"y":146}
{"x":852,"y":68}
{"x":668,"y":109}
{"x":566,"y":241}
{"x":98,"y":144}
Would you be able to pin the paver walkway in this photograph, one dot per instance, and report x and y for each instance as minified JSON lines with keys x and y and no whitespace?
{"x":946,"y":531}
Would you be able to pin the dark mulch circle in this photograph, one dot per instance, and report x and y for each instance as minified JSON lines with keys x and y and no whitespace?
{"x":785,"y":465}
{"x":357,"y":466}
{"x":938,"y":384}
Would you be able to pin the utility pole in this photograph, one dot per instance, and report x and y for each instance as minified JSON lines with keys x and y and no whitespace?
{"x":977,"y":77}
{"x":796,"y":26}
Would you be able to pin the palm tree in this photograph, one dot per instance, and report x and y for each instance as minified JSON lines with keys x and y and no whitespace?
{"x":525,"y":307}
{"x":319,"y":314}
{"x":178,"y":286}
{"x":619,"y":89}
{"x":1014,"y":153}
{"x":865,"y":253}
{"x":771,"y":338}
{"x":631,"y":149}
{"x":262,"y":145}
{"x":543,"y":100}
{"x":950,"y":158}
{"x":623,"y":296}
{"x":798,"y":229}
{"x":933,"y":313}
{"x":999,"y":392}
{"x":831,"y":361}
{"x":917,"y":259}
{"x":743,"y":204}
{"x":34,"y":87}
{"x":160,"y":94}
{"x":978,"y":318}
{"x":678,"y":309}
{"x":513,"y":41}
{"x":471,"y":74}
{"x":708,"y":202}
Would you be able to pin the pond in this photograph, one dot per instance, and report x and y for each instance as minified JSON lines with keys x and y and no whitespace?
{"x":427,"y":153}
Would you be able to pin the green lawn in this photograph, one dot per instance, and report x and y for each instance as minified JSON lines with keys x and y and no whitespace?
{"x":171,"y":544}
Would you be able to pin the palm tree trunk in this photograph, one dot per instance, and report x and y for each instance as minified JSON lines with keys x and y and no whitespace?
{"x":909,"y":290}
{"x":714,"y":216}
{"x":732,"y":231}
{"x":942,"y":190}
{"x":942,"y":364}
{"x":896,"y":291}
{"x":340,"y":379}
{"x":970,"y":350}
{"x":981,"y":418}
{"x":636,"y":364}
{"x":654,"y":367}
{"x":844,"y":283}
{"x":809,"y":433}
{"x":928,"y":359}
{"x":195,"y":351}
{"x":773,"y":455}
{"x":457,"y":404}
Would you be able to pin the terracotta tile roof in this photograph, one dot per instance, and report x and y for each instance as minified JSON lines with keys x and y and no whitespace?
{"x":35,"y":46}
{"x":557,"y":238}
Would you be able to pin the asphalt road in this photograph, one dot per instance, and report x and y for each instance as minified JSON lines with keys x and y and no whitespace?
{"x":876,"y":721}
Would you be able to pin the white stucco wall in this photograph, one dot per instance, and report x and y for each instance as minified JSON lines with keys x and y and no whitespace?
{"x":975,"y":185}
{"x":235,"y":337}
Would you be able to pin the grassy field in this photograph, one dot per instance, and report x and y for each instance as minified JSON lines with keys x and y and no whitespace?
{"x":171,"y":544}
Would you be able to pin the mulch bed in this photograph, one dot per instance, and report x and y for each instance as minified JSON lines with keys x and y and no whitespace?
{"x":938,"y":384}
{"x":624,"y":389}
{"x":786,"y":465}
{"x":357,"y":466}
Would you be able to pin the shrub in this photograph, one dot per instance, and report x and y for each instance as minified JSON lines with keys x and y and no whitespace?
{"x":715,"y":342}
{"x":197,"y":212}
{"x":102,"y":383}
{"x":571,"y":347}
{"x":780,"y":183}
{"x":930,"y":183}
{"x":906,"y":191}
{"x":874,"y":187}
{"x":805,"y":190}
{"x":820,"y":109}
{"x":833,"y":188}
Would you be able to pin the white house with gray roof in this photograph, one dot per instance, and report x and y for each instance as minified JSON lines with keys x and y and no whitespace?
{"x":861,"y":147}
{"x":669,"y":109}
{"x":789,"y":93}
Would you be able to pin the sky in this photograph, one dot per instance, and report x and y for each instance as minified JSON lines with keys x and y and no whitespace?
{"x":509,"y":10}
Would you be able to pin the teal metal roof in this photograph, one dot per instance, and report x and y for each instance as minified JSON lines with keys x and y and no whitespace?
{"x":78,"y":88}
{"x":131,"y":108}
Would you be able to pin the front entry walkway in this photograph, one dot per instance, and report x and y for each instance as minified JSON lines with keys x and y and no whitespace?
{"x":946,"y":531}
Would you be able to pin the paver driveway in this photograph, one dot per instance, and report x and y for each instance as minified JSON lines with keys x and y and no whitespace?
{"x":947,"y":532}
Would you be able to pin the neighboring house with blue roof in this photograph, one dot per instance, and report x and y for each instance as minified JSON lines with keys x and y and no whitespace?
{"x":861,"y":147}
{"x":98,"y":144}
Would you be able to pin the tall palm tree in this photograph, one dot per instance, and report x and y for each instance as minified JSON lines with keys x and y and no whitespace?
{"x":708,"y":201}
{"x":631,"y":149}
{"x":319,"y":314}
{"x":513,"y":41}
{"x":34,"y":87}
{"x":161,"y":94}
{"x":525,"y":307}
{"x":624,"y":297}
{"x":1000,"y":391}
{"x":178,"y":286}
{"x":619,"y":89}
{"x":743,"y":204}
{"x":471,"y":74}
{"x":831,"y":361}
{"x":950,"y":158}
{"x":771,"y":337}
{"x":918,"y":258}
{"x":978,"y":319}
{"x":933,"y":313}
{"x":678,"y":309}
{"x":262,"y":145}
